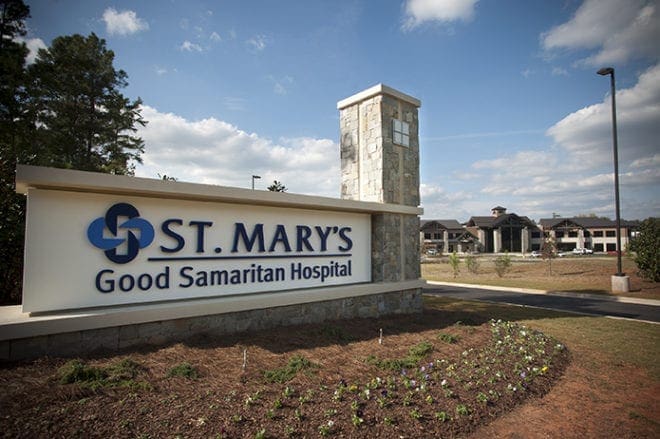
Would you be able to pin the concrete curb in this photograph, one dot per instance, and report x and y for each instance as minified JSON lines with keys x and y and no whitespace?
{"x":622,"y":299}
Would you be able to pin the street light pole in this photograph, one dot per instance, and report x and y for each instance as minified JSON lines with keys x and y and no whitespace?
{"x":254,"y":177}
{"x":604,"y":72}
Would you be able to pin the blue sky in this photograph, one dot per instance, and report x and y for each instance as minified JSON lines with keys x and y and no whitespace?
{"x":513,"y":112}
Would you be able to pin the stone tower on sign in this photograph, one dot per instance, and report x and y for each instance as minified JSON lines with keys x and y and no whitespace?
{"x":380,"y":146}
{"x":379,"y":129}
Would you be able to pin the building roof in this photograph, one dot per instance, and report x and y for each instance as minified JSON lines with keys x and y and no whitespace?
{"x":489,"y":222}
{"x":585,"y":222}
{"x":449,"y":224}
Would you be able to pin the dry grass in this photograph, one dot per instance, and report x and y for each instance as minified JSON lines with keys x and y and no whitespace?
{"x":591,"y":274}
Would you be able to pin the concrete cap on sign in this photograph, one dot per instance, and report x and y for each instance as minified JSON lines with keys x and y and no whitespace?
{"x":377,"y":90}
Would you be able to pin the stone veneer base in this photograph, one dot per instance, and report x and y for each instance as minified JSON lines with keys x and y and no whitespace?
{"x":112,"y":339}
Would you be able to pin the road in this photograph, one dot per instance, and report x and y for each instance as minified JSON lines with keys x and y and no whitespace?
{"x":583,"y":305}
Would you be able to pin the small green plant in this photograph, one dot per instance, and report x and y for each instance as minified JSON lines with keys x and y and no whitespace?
{"x":482,"y":398}
{"x":277,"y":404}
{"x":288,"y":392}
{"x":472,"y":264}
{"x":454,"y":262}
{"x":325,"y":429}
{"x":415,"y":355}
{"x":356,"y":420}
{"x":448,"y":338}
{"x":462,"y":410}
{"x":261,"y":434}
{"x":296,"y":364}
{"x":185,"y":370}
{"x":502,"y":264}
{"x":442,"y":416}
{"x":75,"y":371}
{"x":415,"y":414}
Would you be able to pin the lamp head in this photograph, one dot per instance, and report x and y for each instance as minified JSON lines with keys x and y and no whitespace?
{"x":606,"y":71}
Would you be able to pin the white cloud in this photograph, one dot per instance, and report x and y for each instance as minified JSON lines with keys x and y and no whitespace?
{"x":123,"y":23}
{"x":215,"y":37}
{"x":187,"y":46}
{"x":559,"y":71}
{"x":211,"y":151}
{"x":33,"y":45}
{"x":619,"y":29}
{"x":257,"y":43}
{"x":281,"y":86}
{"x":444,"y":11}
{"x":647,"y":162}
{"x":586,"y":134}
{"x":575,"y":174}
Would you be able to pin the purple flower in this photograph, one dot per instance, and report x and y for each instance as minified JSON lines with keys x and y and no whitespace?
{"x":422,"y":369}
{"x":403,"y":372}
{"x":523,"y":374}
{"x":384,"y":393}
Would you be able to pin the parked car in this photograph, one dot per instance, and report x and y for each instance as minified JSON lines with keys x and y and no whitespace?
{"x":432,"y":252}
{"x":583,"y":251}
{"x":535,"y":254}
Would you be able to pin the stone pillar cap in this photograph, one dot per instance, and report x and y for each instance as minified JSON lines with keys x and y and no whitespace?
{"x":377,"y":90}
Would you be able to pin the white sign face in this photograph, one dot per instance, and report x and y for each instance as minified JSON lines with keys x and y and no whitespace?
{"x":92,"y":250}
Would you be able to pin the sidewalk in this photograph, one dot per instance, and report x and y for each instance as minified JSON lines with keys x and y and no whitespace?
{"x":604,"y":297}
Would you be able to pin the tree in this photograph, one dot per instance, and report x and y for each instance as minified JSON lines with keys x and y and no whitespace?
{"x":455,"y":262}
{"x":83,"y":120}
{"x":66,"y":111}
{"x":277,"y":186}
{"x":13,"y":146}
{"x":646,"y":246}
{"x":549,"y":251}
{"x":502,"y":264}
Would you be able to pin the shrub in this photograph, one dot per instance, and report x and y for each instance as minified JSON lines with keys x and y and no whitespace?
{"x":75,"y":371}
{"x":502,"y":265}
{"x":472,"y":264}
{"x":286,"y":373}
{"x":454,"y":261}
{"x":184,"y":369}
{"x":647,"y":249}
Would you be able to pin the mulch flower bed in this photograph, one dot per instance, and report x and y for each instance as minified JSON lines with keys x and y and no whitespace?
{"x":404,"y":376}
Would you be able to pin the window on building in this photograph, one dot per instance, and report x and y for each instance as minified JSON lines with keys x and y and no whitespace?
{"x":610,"y":233}
{"x":598,"y":233}
{"x":573,"y":234}
{"x":536,"y":235}
{"x":427,"y":236}
{"x":437,"y":236}
{"x":611,"y":247}
{"x":598,"y":247}
{"x":559,"y":234}
{"x":401,"y":132}
{"x":587,"y":234}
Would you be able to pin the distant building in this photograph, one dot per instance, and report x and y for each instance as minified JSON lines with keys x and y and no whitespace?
{"x":446,"y":236}
{"x":504,"y":232}
{"x":597,"y":234}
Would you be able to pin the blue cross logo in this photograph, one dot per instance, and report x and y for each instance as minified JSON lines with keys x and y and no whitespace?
{"x":110,"y":223}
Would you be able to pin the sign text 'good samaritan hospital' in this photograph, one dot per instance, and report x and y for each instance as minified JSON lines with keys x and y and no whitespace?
{"x":111,"y":250}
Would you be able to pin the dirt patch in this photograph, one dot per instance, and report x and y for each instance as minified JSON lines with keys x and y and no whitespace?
{"x":609,"y":401}
{"x":428,"y":376}
{"x":583,"y":274}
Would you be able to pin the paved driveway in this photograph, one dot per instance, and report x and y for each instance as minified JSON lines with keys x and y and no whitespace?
{"x":586,"y":305}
